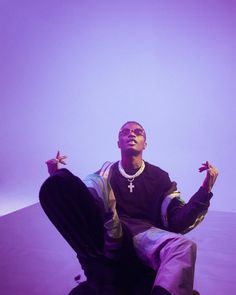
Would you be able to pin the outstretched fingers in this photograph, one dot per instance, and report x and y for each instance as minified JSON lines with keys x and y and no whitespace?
{"x":60,"y":159}
{"x":211,"y":176}
{"x":204,"y":166}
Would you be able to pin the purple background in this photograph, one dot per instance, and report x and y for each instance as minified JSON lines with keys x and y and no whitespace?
{"x":73,"y":71}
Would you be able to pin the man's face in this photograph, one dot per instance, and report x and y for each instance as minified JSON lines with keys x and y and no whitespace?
{"x":132,"y":139}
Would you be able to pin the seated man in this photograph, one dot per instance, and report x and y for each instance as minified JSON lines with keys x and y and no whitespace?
{"x":126,"y":221}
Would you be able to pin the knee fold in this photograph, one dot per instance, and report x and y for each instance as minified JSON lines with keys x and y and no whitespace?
{"x":49,"y":186}
{"x":188,"y":244}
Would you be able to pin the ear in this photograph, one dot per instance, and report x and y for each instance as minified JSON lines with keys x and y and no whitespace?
{"x":118,"y":144}
{"x":145,"y":145}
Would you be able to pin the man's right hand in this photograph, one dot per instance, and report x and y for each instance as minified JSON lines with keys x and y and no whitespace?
{"x":53,"y":164}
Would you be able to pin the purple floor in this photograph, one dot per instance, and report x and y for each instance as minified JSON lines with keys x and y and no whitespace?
{"x":35,"y":260}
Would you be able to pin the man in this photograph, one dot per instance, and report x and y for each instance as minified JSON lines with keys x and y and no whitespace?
{"x":128,"y":215}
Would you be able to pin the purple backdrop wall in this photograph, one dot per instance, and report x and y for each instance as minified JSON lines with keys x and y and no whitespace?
{"x":73,"y":71}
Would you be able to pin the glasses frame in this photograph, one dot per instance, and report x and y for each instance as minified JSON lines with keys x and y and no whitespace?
{"x":136,"y":131}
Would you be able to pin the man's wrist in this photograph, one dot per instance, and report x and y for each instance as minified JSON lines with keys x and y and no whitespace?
{"x":206,"y":189}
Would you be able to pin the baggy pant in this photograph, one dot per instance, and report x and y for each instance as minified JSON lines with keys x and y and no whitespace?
{"x":79,"y":217}
{"x":171,"y":255}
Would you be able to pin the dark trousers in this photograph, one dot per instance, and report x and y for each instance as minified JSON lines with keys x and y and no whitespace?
{"x":73,"y":210}
{"x":79,"y":216}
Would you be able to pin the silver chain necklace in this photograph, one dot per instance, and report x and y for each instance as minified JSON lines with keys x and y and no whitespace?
{"x":131,"y":178}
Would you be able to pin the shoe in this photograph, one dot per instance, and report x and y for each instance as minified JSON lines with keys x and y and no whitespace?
{"x":158,"y":290}
{"x":195,"y":292}
{"x":83,"y":288}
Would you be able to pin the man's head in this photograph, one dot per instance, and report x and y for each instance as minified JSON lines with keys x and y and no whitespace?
{"x":132,"y":138}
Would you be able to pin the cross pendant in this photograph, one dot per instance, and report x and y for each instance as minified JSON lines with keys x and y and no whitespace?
{"x":131,"y":186}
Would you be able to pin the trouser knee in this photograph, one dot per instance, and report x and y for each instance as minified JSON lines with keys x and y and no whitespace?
{"x":186,"y":245}
{"x":190,"y":245}
{"x":48,"y":187}
{"x":55,"y":185}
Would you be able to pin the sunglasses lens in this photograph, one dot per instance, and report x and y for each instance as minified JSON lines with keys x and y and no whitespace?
{"x":126,"y":132}
{"x":138,"y":131}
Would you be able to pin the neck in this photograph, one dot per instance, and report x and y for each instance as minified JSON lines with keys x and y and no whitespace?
{"x":132,"y":163}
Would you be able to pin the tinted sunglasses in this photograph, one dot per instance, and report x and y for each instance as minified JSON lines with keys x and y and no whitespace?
{"x":136,"y":131}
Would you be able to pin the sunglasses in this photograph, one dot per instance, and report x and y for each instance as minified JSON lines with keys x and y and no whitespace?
{"x":136,"y":131}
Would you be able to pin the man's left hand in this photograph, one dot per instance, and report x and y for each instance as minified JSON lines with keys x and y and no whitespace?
{"x":211,"y":176}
